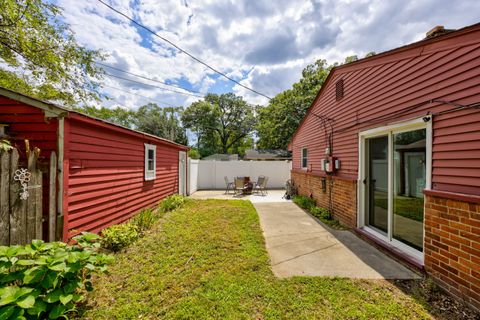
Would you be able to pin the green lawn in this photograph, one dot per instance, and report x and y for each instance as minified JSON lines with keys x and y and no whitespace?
{"x":208,"y":261}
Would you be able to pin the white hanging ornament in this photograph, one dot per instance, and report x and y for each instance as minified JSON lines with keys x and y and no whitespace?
{"x":22,"y":176}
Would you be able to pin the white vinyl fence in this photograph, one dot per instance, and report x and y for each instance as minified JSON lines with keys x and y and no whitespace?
{"x":209,"y":174}
{"x":192,"y":175}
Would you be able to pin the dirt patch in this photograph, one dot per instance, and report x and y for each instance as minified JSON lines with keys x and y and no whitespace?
{"x":440,"y":304}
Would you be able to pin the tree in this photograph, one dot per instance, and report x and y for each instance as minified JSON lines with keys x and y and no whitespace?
{"x":150,"y":118}
{"x":280,"y":118}
{"x":54,"y":66}
{"x":162,"y":122}
{"x":121,"y":116}
{"x":223,"y":123}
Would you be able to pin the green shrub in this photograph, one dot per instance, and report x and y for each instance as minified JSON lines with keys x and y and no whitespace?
{"x":320,"y":213}
{"x":304,"y":202}
{"x":118,"y":236}
{"x":46,"y":280}
{"x":145,"y":219}
{"x":194,"y":154}
{"x":172,"y":202}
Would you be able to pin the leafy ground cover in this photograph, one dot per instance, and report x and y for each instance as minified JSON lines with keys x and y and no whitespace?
{"x":207,"y":260}
{"x":321,"y":214}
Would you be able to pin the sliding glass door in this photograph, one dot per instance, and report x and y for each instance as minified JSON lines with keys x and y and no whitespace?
{"x":394,"y":174}
{"x":409,"y":179}
{"x":377,"y":182}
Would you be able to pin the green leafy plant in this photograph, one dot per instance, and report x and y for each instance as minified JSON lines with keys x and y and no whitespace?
{"x":304,"y":202}
{"x":119,"y":236}
{"x":171,"y":203}
{"x":322,"y":214}
{"x":5,"y":145}
{"x":145,"y":219}
{"x":46,"y":280}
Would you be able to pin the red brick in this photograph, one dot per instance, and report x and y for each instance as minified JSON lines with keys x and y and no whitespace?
{"x":461,"y":240}
{"x":470,"y":250}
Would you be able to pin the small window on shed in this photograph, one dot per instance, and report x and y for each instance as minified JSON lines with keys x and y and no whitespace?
{"x":304,"y":158}
{"x":339,"y":89}
{"x":150,"y":161}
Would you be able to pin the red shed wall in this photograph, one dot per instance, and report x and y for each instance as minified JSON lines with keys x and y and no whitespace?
{"x":27,"y":122}
{"x":386,"y":89}
{"x":106,"y":174}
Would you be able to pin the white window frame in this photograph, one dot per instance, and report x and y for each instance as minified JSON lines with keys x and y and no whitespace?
{"x":150,"y":174}
{"x":302,"y":157}
{"x":389,"y":130}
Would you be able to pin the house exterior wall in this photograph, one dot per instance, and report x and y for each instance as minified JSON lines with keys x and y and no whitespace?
{"x":344,"y":200}
{"x":106,"y":183}
{"x":391,"y":88}
{"x":452,"y":246}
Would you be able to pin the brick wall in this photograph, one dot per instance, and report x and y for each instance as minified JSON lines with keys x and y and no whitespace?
{"x":452,"y":246}
{"x":344,"y":195}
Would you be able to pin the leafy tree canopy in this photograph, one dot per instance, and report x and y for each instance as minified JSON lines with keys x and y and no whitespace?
{"x":121,"y":116}
{"x":162,"y":122}
{"x":279,"y":119}
{"x":150,"y":118}
{"x":223,"y":123}
{"x":54,"y":66}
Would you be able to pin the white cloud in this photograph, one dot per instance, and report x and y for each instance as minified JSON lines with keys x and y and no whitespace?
{"x":267,"y":42}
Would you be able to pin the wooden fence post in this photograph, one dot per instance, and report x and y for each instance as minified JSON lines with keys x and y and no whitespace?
{"x":17,"y":206}
{"x":38,"y":199}
{"x":4,"y":198}
{"x":30,"y":201}
{"x":52,"y":208}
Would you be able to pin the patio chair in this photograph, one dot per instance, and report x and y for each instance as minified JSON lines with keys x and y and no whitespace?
{"x":261,"y":185}
{"x":228,"y":185}
{"x":239,"y":185}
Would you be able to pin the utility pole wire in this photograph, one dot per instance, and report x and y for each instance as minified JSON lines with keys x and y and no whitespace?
{"x":152,"y":85}
{"x":182,"y":51}
{"x":146,"y":78}
{"x":141,"y":96}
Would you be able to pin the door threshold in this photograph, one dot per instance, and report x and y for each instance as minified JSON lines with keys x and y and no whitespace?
{"x":390,"y":249}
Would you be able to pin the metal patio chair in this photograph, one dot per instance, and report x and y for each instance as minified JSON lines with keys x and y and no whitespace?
{"x":228,"y":185}
{"x":239,"y":185}
{"x":261,"y":185}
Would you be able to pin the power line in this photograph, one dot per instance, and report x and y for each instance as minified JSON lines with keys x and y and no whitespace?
{"x":182,"y":50}
{"x":146,"y":78}
{"x":151,"y":85}
{"x":139,"y":95}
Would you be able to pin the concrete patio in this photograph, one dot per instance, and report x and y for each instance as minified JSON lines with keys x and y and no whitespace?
{"x":271,"y":196}
{"x":299,"y":245}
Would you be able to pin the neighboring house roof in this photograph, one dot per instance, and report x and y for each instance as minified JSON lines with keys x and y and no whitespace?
{"x":252,"y":154}
{"x":415,"y":48}
{"x":55,"y":110}
{"x":222,"y":157}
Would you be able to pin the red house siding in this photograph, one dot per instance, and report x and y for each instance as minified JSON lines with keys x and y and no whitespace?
{"x":106,"y":174}
{"x":397,"y":87}
{"x":392,"y":87}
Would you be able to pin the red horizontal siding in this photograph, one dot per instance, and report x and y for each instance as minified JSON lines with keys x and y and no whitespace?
{"x":106,"y":174}
{"x":396,"y":87}
{"x":29,"y":123}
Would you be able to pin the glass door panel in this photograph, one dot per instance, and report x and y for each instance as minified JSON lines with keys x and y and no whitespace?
{"x":376,"y":182}
{"x":409,"y":180}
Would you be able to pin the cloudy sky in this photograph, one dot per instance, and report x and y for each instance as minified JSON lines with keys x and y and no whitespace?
{"x":262,"y":44}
